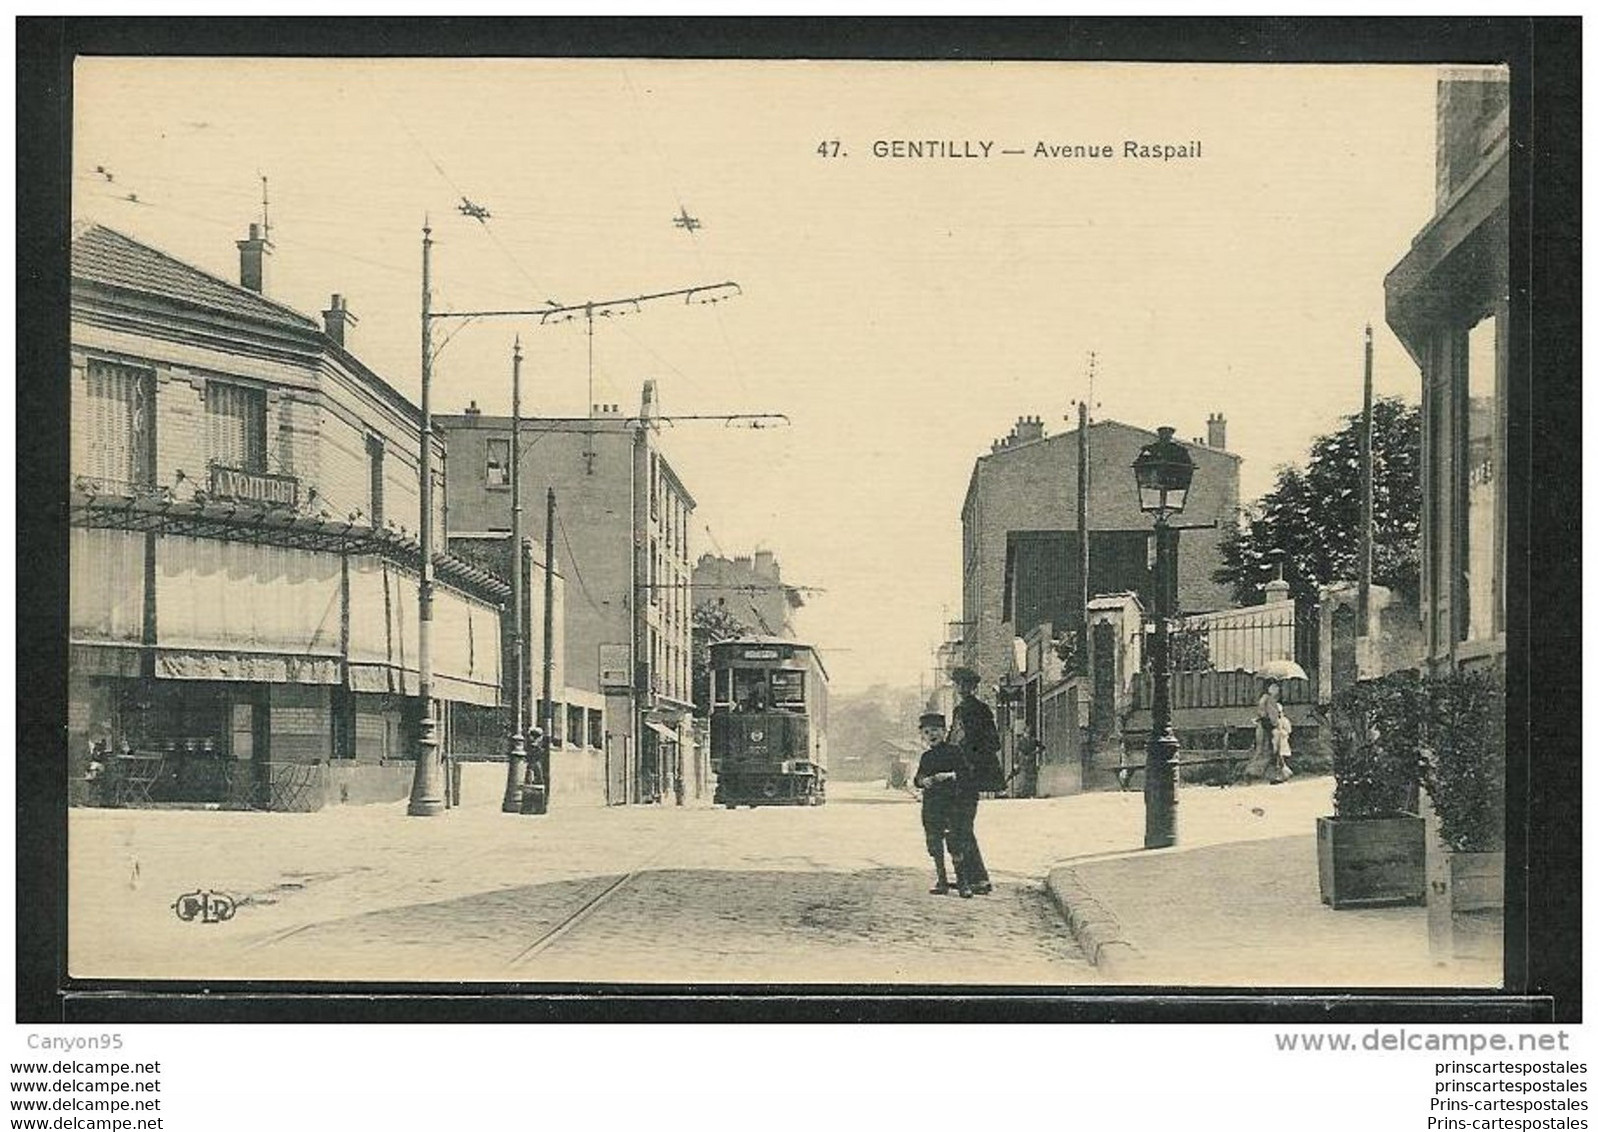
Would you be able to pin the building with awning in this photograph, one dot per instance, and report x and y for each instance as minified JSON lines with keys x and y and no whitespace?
{"x":244,"y":564}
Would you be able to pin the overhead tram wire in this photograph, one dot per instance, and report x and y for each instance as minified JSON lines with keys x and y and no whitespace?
{"x":505,"y":250}
{"x":571,"y":557}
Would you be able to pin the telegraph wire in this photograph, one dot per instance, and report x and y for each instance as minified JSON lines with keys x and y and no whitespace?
{"x":571,"y":556}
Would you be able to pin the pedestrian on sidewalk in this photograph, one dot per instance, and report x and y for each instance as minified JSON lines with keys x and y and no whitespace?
{"x":977,"y":736}
{"x":1268,"y":718}
{"x":937,"y":777}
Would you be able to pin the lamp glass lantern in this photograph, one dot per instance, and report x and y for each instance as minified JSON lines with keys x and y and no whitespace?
{"x":1164,"y":472}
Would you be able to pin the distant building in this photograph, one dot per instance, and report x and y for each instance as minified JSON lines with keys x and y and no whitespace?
{"x":1020,"y":556}
{"x":750,"y":589}
{"x":621,"y":543}
{"x":1448,"y":302}
{"x":243,"y":536}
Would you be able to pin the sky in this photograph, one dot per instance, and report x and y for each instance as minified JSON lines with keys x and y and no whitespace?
{"x":902,"y":312}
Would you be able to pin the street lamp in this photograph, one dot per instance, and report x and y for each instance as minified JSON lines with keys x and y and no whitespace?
{"x":427,"y":780}
{"x":1164,"y":471}
{"x":516,"y":757}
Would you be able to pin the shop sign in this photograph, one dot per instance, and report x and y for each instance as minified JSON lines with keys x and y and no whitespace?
{"x":254,"y":487}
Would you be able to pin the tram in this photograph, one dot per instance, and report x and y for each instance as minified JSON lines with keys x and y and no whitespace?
{"x":768,"y":723}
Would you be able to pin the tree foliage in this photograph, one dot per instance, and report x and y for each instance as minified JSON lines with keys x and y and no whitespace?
{"x":711,"y":622}
{"x":1309,"y":522}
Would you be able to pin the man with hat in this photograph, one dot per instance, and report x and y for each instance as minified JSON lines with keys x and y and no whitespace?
{"x":977,"y":737}
{"x":938,"y":778}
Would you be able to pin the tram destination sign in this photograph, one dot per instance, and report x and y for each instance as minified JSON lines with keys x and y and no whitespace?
{"x":762,"y":654}
{"x":254,"y":487}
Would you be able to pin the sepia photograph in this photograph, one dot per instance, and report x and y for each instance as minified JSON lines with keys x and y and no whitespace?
{"x":888,"y":523}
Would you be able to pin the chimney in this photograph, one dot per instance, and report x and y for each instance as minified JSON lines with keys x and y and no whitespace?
{"x":765,"y":563}
{"x":255,"y":261}
{"x":649,"y":409}
{"x":1027,"y":428}
{"x":338,"y":319}
{"x":1217,"y":431}
{"x":471,"y":410}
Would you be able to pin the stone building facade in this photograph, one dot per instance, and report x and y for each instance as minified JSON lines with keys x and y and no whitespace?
{"x":750,"y":587}
{"x":1448,"y":302}
{"x":622,"y":544}
{"x":1020,"y":559}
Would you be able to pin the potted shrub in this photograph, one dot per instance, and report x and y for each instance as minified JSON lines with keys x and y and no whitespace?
{"x":1372,"y":850}
{"x":1464,"y":775}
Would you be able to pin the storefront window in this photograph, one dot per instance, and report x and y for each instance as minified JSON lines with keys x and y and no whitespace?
{"x":1482,"y":584}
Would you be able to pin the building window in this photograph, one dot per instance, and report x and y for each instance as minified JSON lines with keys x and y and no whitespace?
{"x":654,"y":572}
{"x":374,"y":461}
{"x":235,"y":418}
{"x":574,"y":724}
{"x":596,"y":729}
{"x":1482,"y":579}
{"x":113,"y":445}
{"x":496,"y":472}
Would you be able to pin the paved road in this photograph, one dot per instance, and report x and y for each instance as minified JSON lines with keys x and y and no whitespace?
{"x":702,"y":896}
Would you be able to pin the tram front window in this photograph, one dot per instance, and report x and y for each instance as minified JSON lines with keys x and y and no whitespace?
{"x":788,"y":689}
{"x":749,"y":689}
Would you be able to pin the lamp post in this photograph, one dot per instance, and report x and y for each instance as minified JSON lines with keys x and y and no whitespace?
{"x":1164,"y":470}
{"x":427,"y":782}
{"x":516,"y":761}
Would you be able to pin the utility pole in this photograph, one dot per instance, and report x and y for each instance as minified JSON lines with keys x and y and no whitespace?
{"x":427,"y":795}
{"x":1080,"y":660}
{"x":547,"y":710}
{"x":426,"y":798}
{"x":516,"y":768}
{"x":1366,"y":500}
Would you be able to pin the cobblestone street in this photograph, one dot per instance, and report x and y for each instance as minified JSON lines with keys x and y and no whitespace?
{"x":640,"y":895}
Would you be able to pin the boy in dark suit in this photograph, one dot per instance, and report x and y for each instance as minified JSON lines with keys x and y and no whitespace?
{"x":938,"y":778}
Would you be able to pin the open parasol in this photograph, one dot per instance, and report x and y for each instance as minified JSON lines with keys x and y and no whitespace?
{"x":1280,"y":670}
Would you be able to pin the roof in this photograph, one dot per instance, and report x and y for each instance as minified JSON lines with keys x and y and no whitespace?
{"x":106,"y":257}
{"x":1106,"y":423}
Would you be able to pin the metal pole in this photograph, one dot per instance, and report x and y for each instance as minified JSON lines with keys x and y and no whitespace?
{"x":1080,"y":660}
{"x":516,"y":761}
{"x":548,"y":709}
{"x":1366,"y":500}
{"x":1159,"y":771}
{"x":427,"y":783}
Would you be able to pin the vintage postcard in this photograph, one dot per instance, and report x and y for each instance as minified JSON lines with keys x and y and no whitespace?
{"x":738,"y":522}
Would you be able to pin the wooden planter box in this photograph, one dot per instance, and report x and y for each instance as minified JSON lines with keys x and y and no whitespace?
{"x":1476,"y":881}
{"x":1371,"y":861}
{"x":1476,"y":905}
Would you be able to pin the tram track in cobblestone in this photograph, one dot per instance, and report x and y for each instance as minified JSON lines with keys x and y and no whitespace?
{"x":385,"y":897}
{"x":554,"y":935}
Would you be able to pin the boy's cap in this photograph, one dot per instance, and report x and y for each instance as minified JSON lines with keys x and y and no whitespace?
{"x":933,"y":719}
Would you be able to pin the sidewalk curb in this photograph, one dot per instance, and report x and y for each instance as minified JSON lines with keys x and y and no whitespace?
{"x":1094,"y":926}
